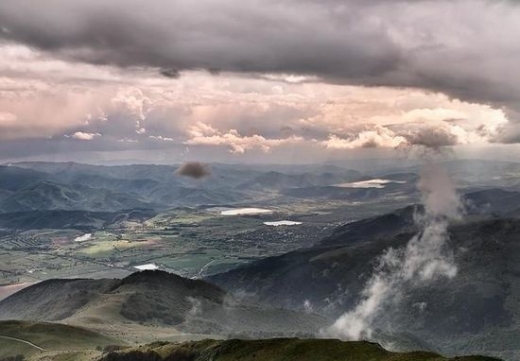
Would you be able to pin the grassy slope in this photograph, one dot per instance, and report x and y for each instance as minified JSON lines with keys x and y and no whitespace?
{"x":48,"y":336}
{"x":277,"y":350}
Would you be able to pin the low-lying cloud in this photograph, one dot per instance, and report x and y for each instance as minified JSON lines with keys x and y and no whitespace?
{"x":425,"y":258}
{"x":238,"y":143}
{"x":84,"y":136}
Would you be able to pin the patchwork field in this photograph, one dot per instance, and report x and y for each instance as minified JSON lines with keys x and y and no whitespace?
{"x":192,"y":242}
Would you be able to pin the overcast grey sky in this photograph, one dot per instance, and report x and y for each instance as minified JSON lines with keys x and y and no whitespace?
{"x":237,"y":80}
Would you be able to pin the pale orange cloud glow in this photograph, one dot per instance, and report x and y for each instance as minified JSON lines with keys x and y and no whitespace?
{"x":47,"y":97}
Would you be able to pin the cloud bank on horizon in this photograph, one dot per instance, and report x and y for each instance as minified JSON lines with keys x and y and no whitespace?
{"x":320,"y":76}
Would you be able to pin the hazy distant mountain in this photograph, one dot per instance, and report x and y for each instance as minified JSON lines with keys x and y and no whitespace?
{"x":470,"y":172}
{"x":494,"y":201}
{"x":71,"y":186}
{"x":152,"y":297}
{"x":14,"y":178}
{"x":51,"y":196}
{"x":278,"y":180}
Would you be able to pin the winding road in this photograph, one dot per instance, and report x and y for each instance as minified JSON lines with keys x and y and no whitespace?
{"x":23,"y":341}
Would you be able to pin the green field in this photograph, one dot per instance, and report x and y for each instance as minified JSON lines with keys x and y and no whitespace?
{"x":190,"y":242}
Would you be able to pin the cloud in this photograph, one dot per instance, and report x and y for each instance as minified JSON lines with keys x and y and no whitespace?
{"x":161,"y":138}
{"x":194,"y":170}
{"x":44,"y":94}
{"x":432,"y":138}
{"x":379,"y":137}
{"x":467,"y":49}
{"x":203,"y":134}
{"x":7,"y":118}
{"x":423,"y":259}
{"x":182,"y":36}
{"x":84,"y":136}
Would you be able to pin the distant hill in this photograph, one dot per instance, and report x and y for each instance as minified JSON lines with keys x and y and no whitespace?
{"x":495,"y":201}
{"x":386,"y":225}
{"x":72,"y":186}
{"x":58,"y":219}
{"x":275,"y":350}
{"x":390,"y":190}
{"x":15,"y":178}
{"x":153,"y":298}
{"x":278,"y":180}
{"x":51,"y":196}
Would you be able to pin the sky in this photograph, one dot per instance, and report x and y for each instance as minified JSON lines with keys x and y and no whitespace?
{"x":257,"y":81}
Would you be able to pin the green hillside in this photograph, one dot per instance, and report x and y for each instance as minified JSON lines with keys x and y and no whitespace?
{"x":274,"y":350}
{"x":40,"y":338}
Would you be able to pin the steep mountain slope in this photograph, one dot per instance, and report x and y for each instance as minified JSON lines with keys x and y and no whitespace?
{"x":152,"y":298}
{"x":480,"y":303}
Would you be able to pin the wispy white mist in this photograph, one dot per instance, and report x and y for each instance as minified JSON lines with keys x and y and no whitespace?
{"x":424,"y":258}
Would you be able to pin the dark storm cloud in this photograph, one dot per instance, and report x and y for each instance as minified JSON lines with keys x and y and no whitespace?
{"x":216,"y":36}
{"x":194,"y":170}
{"x":466,"y":49}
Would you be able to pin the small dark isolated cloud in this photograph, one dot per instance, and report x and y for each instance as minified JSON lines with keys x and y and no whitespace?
{"x":194,"y":170}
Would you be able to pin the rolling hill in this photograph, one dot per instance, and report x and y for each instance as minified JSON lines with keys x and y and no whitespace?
{"x":153,"y":298}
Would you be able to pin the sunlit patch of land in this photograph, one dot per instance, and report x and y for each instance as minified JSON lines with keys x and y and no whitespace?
{"x":147,"y":267}
{"x":107,"y":246}
{"x":83,"y":238}
{"x":370,"y":183}
{"x":282,"y":223}
{"x":245,"y":211}
{"x":6,"y":291}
